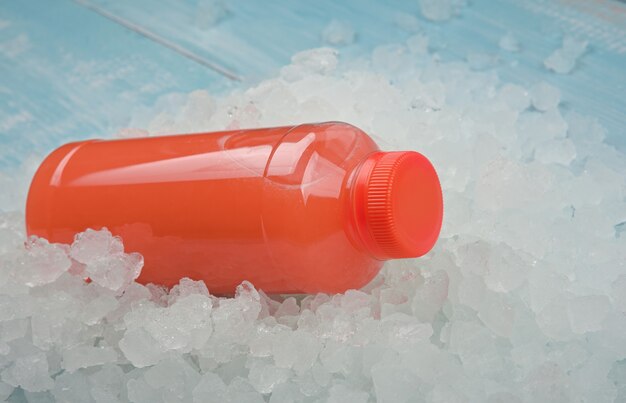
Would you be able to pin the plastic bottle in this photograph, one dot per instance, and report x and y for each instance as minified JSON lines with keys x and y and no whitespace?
{"x":303,"y":209}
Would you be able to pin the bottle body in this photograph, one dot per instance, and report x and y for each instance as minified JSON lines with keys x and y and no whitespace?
{"x":271,"y":206}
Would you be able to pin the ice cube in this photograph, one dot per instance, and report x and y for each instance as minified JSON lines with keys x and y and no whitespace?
{"x":587,"y":313}
{"x":557,"y":151}
{"x":429,"y":298}
{"x":417,"y":44}
{"x":619,"y":293}
{"x":98,"y":308}
{"x":509,"y":43}
{"x":435,"y":10}
{"x":115,"y":272}
{"x":553,"y":321}
{"x":297,"y":350}
{"x":107,"y":383}
{"x":30,"y":372}
{"x":71,"y":388}
{"x":338,"y":33}
{"x":316,"y":61}
{"x":209,"y":13}
{"x":129,"y":133}
{"x":173,"y":378}
{"x":43,"y":263}
{"x":545,"y":96}
{"x":106,"y":264}
{"x":341,"y":393}
{"x":504,"y":397}
{"x":93,"y":245}
{"x":289,"y":307}
{"x":87,"y":356}
{"x":564,"y":59}
{"x":240,"y":390}
{"x":210,"y":389}
{"x":140,"y":348}
{"x":515,"y":96}
{"x":547,"y":383}
{"x":265,"y":376}
{"x":481,"y":60}
{"x":5,"y":390}
{"x":392,"y":382}
{"x":407,"y":22}
{"x":497,"y":313}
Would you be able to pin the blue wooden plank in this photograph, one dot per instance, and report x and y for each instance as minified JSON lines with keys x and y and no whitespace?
{"x":79,"y":74}
{"x":67,"y":73}
{"x":256,"y":38}
{"x":259,"y":37}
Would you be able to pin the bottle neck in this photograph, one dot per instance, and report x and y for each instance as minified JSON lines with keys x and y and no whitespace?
{"x":358,"y":204}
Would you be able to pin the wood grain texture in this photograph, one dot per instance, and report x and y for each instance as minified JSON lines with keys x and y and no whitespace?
{"x":66,"y":72}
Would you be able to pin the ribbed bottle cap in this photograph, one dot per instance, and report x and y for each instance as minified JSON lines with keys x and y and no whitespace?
{"x":399,"y":205}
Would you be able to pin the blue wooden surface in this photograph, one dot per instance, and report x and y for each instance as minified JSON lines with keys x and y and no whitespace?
{"x":66,"y":72}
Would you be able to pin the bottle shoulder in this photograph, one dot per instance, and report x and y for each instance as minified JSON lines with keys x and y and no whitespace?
{"x":310,"y":152}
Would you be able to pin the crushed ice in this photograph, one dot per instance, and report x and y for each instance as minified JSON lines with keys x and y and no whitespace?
{"x":564,"y":59}
{"x":522,"y":299}
{"x":338,"y":33}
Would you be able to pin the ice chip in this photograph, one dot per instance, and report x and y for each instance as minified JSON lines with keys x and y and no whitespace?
{"x":418,"y":44}
{"x":392,"y":382}
{"x":557,"y":151}
{"x":173,"y":378}
{"x":430,"y":296}
{"x":210,"y":13}
{"x":43,"y":263}
{"x":554,"y":322}
{"x":407,"y":22}
{"x":289,"y":307}
{"x":93,"y":245}
{"x":515,"y":96}
{"x":107,"y":383}
{"x":5,"y":390}
{"x":210,"y":389}
{"x":545,"y":96}
{"x":87,"y":356}
{"x":587,"y":313}
{"x":98,"y":308}
{"x":240,"y":390}
{"x":341,"y":393}
{"x":71,"y":388}
{"x":140,"y":348}
{"x":547,"y":383}
{"x":338,"y":33}
{"x":504,"y":397}
{"x":619,"y":293}
{"x":564,"y":59}
{"x":509,"y":43}
{"x":315,"y":61}
{"x":30,"y":372}
{"x":497,"y":314}
{"x":129,"y":133}
{"x":115,"y":272}
{"x":187,"y":287}
{"x":438,"y":10}
{"x":249,"y":300}
{"x":265,"y":377}
{"x":390,"y":59}
{"x":481,"y":61}
{"x":105,"y":262}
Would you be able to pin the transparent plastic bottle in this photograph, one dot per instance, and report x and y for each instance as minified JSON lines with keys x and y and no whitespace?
{"x":302,"y":209}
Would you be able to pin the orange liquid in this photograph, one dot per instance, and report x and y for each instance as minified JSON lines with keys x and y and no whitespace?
{"x":271,"y":206}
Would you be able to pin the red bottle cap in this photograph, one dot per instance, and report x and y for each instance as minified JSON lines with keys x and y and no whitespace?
{"x":398,"y":204}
